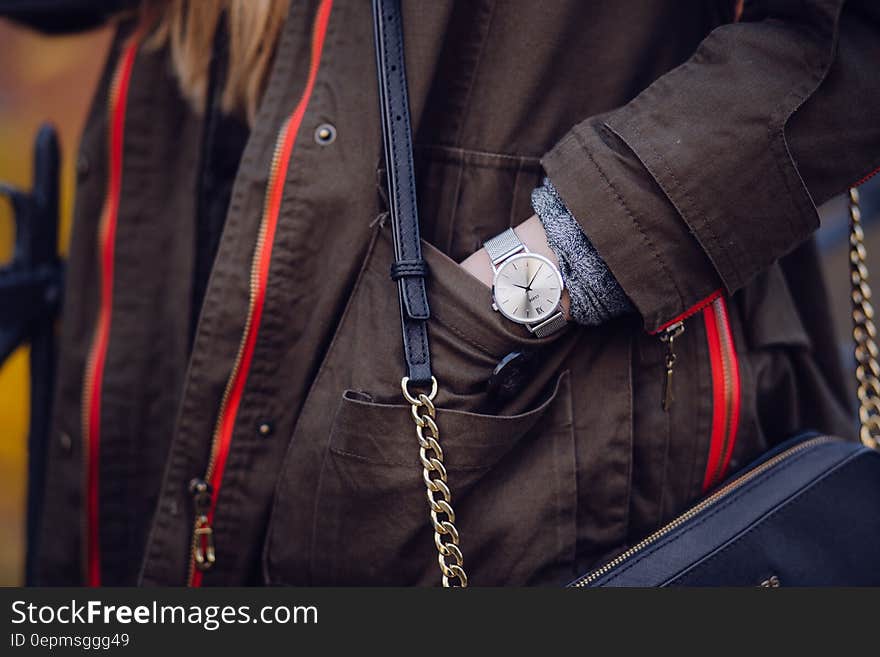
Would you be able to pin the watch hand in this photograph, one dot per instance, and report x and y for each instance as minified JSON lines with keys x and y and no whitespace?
{"x":529,"y":286}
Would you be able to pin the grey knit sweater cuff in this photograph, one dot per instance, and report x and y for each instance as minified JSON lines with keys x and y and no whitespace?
{"x":596,"y":296}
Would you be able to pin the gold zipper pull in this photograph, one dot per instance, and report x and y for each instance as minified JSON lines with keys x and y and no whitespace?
{"x":668,"y":338}
{"x":203,"y":534}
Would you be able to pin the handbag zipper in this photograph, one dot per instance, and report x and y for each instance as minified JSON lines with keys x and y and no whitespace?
{"x":117,"y":101}
{"x":205,"y":490}
{"x":699,"y":508}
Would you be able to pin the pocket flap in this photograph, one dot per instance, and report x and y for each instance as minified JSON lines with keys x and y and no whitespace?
{"x":385,"y":433}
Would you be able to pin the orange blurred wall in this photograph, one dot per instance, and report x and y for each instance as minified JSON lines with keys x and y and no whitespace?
{"x":41,"y":79}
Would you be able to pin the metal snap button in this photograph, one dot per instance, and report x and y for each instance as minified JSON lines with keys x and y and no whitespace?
{"x":83,"y":167}
{"x":265,"y":429}
{"x":325,"y":134}
{"x":65,"y":441}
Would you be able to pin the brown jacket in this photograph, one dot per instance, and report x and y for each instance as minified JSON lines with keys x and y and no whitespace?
{"x":692,"y":150}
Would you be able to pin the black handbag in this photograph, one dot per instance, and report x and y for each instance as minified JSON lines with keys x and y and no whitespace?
{"x":806,"y":513}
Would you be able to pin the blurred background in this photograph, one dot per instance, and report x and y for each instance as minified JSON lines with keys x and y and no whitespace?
{"x":52,"y":79}
{"x":41,"y":79}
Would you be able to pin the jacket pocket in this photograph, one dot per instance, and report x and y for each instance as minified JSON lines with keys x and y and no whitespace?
{"x":513,"y":491}
{"x":688,"y":425}
{"x":349,"y":469}
{"x":466,"y":337}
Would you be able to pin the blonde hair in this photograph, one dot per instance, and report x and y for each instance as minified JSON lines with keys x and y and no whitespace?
{"x":188,"y":28}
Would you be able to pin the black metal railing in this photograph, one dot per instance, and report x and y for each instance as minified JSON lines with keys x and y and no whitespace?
{"x":30,"y":299}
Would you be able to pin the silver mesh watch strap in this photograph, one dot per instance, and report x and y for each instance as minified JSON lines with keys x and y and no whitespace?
{"x":503,"y":246}
{"x":500,"y":248}
{"x":549,"y":326}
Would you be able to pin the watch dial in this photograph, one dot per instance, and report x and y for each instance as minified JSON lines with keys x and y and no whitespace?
{"x":527,"y":288}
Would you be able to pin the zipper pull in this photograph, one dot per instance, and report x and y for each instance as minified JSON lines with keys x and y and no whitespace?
{"x":668,"y":338}
{"x":203,"y":534}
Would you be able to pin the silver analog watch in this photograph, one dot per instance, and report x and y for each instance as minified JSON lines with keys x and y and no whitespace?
{"x":527,"y":287}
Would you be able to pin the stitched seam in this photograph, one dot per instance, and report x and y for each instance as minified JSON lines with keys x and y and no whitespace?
{"x":366,"y":459}
{"x":691,"y":206}
{"x":314,"y":524}
{"x":513,"y":198}
{"x":414,"y":291}
{"x":463,"y":336}
{"x":400,"y":270}
{"x":664,"y":476}
{"x":630,"y":415}
{"x":803,"y":94}
{"x":773,"y":139}
{"x":456,"y":202}
{"x":454,"y":155}
{"x":650,"y":245}
{"x":281,"y":485}
{"x":572,"y":441}
{"x":474,"y":72}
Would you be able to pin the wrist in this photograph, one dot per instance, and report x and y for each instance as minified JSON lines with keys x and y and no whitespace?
{"x":531,"y":233}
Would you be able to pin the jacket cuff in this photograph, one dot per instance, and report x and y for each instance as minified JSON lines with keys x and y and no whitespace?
{"x":595,"y":295}
{"x":636,"y":230}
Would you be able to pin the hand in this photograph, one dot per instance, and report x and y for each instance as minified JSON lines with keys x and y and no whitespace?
{"x":532,"y":234}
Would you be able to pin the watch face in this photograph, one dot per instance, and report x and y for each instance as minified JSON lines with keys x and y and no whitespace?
{"x":527,"y":288}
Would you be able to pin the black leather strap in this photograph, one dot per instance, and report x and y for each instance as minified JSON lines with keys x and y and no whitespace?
{"x":409,"y":269}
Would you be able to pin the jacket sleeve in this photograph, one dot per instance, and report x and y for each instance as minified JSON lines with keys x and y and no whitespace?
{"x":714,"y":171}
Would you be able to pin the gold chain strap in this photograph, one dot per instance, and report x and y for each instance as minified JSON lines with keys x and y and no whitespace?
{"x":864,"y":330}
{"x":434,"y":474}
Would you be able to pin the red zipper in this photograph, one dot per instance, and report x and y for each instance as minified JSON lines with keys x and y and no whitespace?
{"x":690,"y":312}
{"x":724,"y":363}
{"x":203,"y":554}
{"x":94,"y":374}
